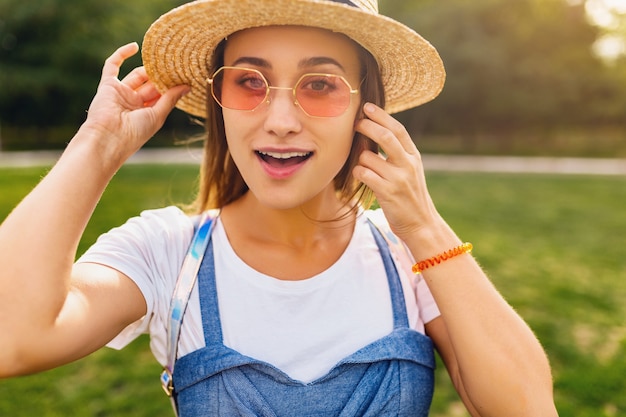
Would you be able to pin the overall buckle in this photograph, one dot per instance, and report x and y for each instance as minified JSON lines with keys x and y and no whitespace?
{"x":167,"y":382}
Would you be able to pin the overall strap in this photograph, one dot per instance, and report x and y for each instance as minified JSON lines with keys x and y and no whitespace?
{"x":184,"y":285}
{"x":400,"y":252}
{"x":209,"y":308}
{"x":400,"y":318}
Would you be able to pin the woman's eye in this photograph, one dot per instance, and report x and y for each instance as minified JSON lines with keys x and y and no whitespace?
{"x":318,"y":85}
{"x":252,"y":82}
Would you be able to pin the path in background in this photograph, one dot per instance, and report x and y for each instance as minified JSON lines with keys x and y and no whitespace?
{"x":432,"y":162}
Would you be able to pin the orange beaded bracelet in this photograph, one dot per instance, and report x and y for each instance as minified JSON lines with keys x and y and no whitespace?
{"x":435,"y":260}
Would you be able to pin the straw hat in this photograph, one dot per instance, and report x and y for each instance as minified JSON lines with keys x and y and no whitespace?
{"x":177,"y":48}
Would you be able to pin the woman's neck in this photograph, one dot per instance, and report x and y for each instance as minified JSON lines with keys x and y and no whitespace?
{"x":301,"y":226}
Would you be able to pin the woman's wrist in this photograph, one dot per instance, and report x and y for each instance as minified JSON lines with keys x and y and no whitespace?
{"x":101,"y":151}
{"x":429,"y":241}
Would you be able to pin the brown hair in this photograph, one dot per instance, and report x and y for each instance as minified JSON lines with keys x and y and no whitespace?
{"x":220,"y":180}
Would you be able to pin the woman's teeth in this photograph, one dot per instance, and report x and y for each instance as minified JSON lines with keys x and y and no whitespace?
{"x":284,"y":155}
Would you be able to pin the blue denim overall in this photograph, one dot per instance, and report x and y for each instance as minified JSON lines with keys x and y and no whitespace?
{"x":393,"y":375}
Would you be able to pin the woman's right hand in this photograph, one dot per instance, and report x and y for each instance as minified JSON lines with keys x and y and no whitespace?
{"x":125,"y":114}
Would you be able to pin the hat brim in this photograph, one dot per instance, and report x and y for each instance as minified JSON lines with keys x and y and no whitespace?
{"x":178,"y":47}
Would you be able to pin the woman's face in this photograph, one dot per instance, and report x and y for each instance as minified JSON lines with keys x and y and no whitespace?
{"x":286,"y":157}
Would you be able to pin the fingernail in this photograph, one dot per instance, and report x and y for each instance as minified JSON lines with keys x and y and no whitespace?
{"x":369,"y":108}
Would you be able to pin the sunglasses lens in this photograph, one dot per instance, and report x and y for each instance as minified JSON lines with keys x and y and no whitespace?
{"x":323,"y":95}
{"x":239,"y":88}
{"x":319,"y":95}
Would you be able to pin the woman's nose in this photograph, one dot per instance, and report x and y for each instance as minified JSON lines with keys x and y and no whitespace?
{"x":283,"y":114}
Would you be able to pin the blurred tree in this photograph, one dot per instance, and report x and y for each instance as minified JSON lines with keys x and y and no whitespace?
{"x":511,"y":64}
{"x":51,"y":54}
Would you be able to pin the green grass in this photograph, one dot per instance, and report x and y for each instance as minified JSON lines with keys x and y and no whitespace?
{"x":553,"y":245}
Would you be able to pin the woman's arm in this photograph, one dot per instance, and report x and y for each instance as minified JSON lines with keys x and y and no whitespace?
{"x":495,"y":358}
{"x":438,"y":332}
{"x":53,"y":312}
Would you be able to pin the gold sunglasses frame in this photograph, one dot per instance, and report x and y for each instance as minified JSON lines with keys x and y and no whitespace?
{"x":269,"y":87}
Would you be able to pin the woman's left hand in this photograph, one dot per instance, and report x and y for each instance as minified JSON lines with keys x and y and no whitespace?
{"x":396,"y":178}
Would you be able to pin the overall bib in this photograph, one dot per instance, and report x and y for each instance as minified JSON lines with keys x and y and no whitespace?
{"x":393,"y":375}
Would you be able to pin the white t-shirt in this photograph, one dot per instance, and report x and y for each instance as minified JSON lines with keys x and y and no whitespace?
{"x":302,"y":327}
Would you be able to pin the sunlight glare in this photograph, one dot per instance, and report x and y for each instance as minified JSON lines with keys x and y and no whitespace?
{"x":605,"y":12}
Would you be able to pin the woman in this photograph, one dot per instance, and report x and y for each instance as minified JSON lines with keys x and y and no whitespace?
{"x":300,"y":306}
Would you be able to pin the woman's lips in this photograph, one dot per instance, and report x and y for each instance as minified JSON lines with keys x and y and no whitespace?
{"x":282,"y":164}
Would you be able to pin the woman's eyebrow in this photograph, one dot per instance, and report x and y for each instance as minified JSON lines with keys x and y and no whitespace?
{"x":319,"y":60}
{"x":257,"y":62}
{"x":304,"y":63}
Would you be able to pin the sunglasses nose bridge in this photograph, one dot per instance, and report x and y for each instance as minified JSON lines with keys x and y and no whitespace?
{"x":268,"y":99}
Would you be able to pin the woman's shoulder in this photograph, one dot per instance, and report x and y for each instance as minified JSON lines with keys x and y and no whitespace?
{"x":166,"y":215}
{"x":168,"y":221}
{"x":378,"y":219}
{"x":167,"y":229}
{"x":376,"y":216}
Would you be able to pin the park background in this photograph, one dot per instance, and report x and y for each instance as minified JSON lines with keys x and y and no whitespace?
{"x":525,"y":78}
